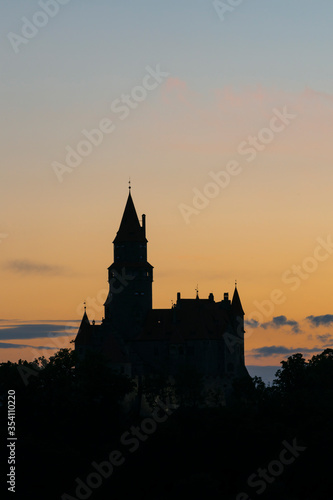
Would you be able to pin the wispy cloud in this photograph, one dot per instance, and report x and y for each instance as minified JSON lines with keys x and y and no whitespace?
{"x":7,"y":345}
{"x":280,"y":321}
{"x":36,"y":331}
{"x":274,"y":350}
{"x":22,"y":266}
{"x":231,"y":112}
{"x":252,"y":323}
{"x":327,"y":337}
{"x":326,"y":319}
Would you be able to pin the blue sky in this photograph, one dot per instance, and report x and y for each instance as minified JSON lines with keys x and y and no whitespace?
{"x":277,"y":43}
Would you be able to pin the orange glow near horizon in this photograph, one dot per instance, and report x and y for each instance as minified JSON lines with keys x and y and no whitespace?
{"x":268,"y":219}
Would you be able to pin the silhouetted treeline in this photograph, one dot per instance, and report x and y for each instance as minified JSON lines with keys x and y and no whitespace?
{"x":269,"y":442}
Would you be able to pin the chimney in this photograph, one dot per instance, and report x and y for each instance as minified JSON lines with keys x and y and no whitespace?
{"x":144,"y":224}
{"x":178,"y":297}
{"x":226,"y":297}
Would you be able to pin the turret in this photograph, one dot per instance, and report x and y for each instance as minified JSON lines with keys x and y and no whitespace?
{"x":83,"y":337}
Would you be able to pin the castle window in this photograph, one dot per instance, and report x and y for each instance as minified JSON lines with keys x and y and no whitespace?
{"x":142,"y":293}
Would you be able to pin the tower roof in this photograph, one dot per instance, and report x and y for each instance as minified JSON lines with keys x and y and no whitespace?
{"x":236,"y":303}
{"x":130,"y":228}
{"x":84,"y":332}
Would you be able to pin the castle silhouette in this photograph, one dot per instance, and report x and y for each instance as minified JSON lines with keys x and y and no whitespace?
{"x":139,"y":340}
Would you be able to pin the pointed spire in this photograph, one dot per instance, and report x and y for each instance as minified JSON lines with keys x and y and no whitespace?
{"x":236,"y":303}
{"x":130,"y":229}
{"x":84,"y":332}
{"x":85,"y":320}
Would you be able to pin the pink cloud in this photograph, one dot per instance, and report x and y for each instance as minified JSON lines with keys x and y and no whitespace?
{"x":218,"y":121}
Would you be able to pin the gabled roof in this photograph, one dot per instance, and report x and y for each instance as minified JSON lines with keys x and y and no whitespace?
{"x":130,"y":228}
{"x":236,"y":303}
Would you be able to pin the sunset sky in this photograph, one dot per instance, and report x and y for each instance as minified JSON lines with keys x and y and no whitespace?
{"x":221,"y":116}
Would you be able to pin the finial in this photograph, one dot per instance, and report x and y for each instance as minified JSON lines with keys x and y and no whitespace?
{"x":85,"y":308}
{"x":197,"y":290}
{"x":236,"y":283}
{"x":129,"y":184}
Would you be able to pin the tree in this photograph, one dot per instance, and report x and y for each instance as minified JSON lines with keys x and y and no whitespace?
{"x":189,"y":385}
{"x":155,"y":387}
{"x":291,"y":377}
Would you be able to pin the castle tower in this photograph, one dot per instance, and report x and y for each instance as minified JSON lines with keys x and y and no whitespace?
{"x":130,"y":276}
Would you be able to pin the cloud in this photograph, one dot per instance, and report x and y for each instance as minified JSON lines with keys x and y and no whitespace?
{"x":274,"y":350}
{"x":326,"y":319}
{"x":252,"y":323}
{"x":325,"y":338}
{"x":36,"y":331}
{"x":29,"y":267}
{"x":210,"y":123}
{"x":280,"y":321}
{"x":176,"y":90}
{"x":6,"y":345}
